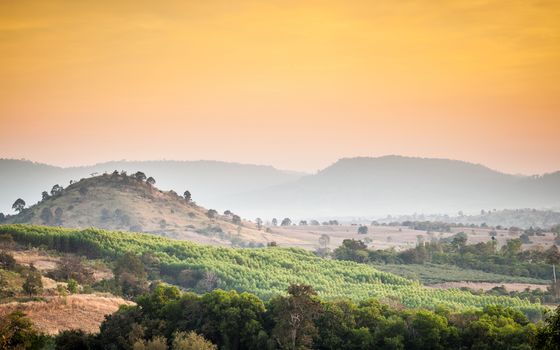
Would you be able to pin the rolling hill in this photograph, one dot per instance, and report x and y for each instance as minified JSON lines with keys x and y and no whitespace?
{"x":265,"y":272}
{"x":121,"y":202}
{"x":208,"y":181}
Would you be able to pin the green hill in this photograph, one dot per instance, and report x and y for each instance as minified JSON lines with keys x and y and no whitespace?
{"x":265,"y":272}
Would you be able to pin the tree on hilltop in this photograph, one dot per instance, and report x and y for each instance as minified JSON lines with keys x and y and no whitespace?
{"x":140,"y":176}
{"x":151,"y":181}
{"x":187,"y":196}
{"x":56,"y":190}
{"x":18,"y":205}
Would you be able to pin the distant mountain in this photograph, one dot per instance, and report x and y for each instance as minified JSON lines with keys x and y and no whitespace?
{"x":122,"y":202}
{"x":208,"y":181}
{"x":351,"y":187}
{"x":400,"y":185}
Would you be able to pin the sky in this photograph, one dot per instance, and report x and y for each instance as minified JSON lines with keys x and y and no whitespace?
{"x":293,"y":84}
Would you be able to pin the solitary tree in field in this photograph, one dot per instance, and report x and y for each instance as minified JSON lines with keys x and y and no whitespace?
{"x":18,"y":205}
{"x":363,"y":230}
{"x":274,"y":222}
{"x":286,"y":222}
{"x":259,"y":222}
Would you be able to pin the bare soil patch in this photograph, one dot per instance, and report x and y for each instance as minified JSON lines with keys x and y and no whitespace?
{"x":510,"y":287}
{"x":56,"y":314}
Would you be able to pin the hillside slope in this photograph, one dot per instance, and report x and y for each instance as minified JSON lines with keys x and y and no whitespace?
{"x":401,"y":185}
{"x":266,"y":272}
{"x":121,"y":202}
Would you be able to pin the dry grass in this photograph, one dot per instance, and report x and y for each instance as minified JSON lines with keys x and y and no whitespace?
{"x":82,"y":311}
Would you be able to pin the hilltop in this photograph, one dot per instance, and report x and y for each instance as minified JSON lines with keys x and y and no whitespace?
{"x":124,"y":202}
{"x":209,"y":181}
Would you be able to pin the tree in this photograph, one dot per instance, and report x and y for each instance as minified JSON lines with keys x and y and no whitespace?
{"x":151,"y":181}
{"x":236,"y":219}
{"x":74,"y":339}
{"x":294,"y":316}
{"x":187,"y":196}
{"x":140,"y":176}
{"x":72,"y":267}
{"x":7,"y":261}
{"x":352,"y":250}
{"x":553,"y":258}
{"x":17,"y":332}
{"x":56,"y":190}
{"x":211,"y":213}
{"x":232,"y":320}
{"x":363,"y":230}
{"x":72,"y":286}
{"x":259,"y":223}
{"x":324,"y":240}
{"x":2,"y":217}
{"x":191,"y":341}
{"x":548,"y":337}
{"x":274,"y":222}
{"x":33,"y":284}
{"x":228,"y":212}
{"x":286,"y":222}
{"x":131,"y":274}
{"x":18,"y":205}
{"x":45,"y":195}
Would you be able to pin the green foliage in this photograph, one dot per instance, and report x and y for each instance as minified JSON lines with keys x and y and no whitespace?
{"x":33,"y":284}
{"x":18,"y":205}
{"x":300,"y":320}
{"x":265,"y":272}
{"x":548,"y":337}
{"x":17,"y":332}
{"x":72,"y":286}
{"x":191,"y":341}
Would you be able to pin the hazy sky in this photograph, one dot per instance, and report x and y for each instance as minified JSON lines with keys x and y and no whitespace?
{"x":294,"y":84}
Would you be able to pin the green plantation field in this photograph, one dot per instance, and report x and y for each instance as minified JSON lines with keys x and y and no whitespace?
{"x":265,"y":272}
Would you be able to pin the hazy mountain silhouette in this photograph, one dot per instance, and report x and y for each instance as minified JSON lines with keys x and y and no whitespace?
{"x":396,"y":185}
{"x":350,"y":187}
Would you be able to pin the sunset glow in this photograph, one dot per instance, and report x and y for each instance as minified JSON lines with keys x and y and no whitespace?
{"x":294,"y":84}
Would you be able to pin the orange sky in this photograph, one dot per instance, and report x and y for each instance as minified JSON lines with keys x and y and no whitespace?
{"x":294,"y":84}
